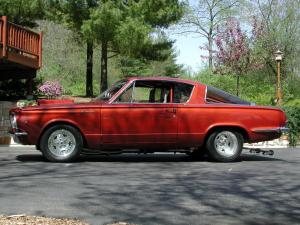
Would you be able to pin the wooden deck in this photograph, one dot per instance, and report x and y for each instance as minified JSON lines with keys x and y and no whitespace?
{"x":20,"y":51}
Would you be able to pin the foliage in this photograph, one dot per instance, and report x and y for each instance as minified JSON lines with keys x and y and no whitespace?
{"x":204,"y":18}
{"x":51,"y":89}
{"x":255,"y":87}
{"x":137,"y":67}
{"x":225,"y":83}
{"x":233,"y":49}
{"x":126,"y":27}
{"x":293,"y":115}
{"x":159,"y":59}
{"x":277,"y":23}
{"x":25,"y":103}
{"x":64,"y":60}
{"x":71,"y":14}
{"x":23,"y":12}
{"x":16,"y":89}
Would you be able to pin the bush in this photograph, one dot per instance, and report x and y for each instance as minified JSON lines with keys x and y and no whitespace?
{"x":16,"y":89}
{"x":293,"y":115}
{"x":24,"y":103}
{"x":51,"y":89}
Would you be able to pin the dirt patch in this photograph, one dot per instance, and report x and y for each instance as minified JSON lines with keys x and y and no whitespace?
{"x":37,"y":220}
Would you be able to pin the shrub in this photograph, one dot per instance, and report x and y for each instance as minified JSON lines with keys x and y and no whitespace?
{"x":51,"y":89}
{"x":16,"y":89}
{"x":25,"y":103}
{"x":293,"y":115}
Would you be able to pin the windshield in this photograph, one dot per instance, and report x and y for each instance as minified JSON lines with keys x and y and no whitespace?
{"x":106,"y":95}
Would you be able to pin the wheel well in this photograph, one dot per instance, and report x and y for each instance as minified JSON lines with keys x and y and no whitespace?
{"x":59,"y":123}
{"x":241,"y":130}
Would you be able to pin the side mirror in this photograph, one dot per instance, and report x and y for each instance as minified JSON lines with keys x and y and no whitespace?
{"x":107,"y":95}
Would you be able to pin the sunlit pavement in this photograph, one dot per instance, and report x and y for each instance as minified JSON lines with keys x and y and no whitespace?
{"x":153,"y":189}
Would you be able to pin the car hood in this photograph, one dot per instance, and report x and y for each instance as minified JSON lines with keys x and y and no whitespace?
{"x":69,"y":106}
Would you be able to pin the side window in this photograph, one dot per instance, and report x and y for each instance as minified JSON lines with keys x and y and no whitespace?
{"x":155,"y":92}
{"x":182,"y":92}
{"x":142,"y":94}
{"x":125,"y":97}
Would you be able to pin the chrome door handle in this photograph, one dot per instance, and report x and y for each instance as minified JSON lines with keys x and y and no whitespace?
{"x":173,"y":110}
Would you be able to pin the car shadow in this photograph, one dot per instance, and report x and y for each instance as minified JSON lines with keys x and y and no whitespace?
{"x":157,"y":157}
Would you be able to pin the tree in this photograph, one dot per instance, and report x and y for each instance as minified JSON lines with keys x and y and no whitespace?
{"x":233,"y":50}
{"x":23,"y":12}
{"x":204,"y":19}
{"x":72,"y":13}
{"x":162,"y":62}
{"x":125,"y":27}
{"x":277,"y":24}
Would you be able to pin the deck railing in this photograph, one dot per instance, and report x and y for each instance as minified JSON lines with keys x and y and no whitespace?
{"x":19,"y":40}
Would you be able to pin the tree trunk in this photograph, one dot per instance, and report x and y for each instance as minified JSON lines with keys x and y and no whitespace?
{"x":89,"y":69}
{"x":237,"y":85}
{"x":210,"y":55}
{"x":103,"y":86}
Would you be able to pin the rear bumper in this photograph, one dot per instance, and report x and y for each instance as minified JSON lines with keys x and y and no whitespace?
{"x":278,"y":130}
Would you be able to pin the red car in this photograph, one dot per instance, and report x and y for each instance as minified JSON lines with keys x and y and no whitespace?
{"x":148,"y":115}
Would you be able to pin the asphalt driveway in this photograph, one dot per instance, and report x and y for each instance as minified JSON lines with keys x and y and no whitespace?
{"x":153,"y":189}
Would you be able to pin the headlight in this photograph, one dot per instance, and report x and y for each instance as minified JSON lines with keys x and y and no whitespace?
{"x":13,"y":121}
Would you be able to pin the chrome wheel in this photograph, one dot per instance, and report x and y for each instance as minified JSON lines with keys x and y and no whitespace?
{"x":226,"y":143}
{"x":61,"y":143}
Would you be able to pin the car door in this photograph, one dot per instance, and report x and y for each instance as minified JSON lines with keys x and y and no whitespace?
{"x":115,"y":124}
{"x":115,"y":118}
{"x":153,"y":123}
{"x":153,"y":116}
{"x":134,"y":118}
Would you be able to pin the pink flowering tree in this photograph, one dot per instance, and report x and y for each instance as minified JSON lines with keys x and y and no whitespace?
{"x":51,"y":89}
{"x":233,"y":52}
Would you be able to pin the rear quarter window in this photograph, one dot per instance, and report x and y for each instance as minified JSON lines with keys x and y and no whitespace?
{"x":214,"y":95}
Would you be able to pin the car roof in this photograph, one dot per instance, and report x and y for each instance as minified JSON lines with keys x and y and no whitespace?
{"x":156,"y":78}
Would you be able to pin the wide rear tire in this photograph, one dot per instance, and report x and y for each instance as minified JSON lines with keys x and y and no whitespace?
{"x":225,"y":145}
{"x":61,"y":143}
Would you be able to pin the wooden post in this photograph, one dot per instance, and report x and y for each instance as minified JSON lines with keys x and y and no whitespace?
{"x":40,"y":48}
{"x":29,"y":87}
{"x":4,"y":47}
{"x":278,"y":93}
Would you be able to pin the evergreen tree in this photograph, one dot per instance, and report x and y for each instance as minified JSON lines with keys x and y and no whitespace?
{"x":72,"y":13}
{"x":23,"y":12}
{"x":126,"y":28}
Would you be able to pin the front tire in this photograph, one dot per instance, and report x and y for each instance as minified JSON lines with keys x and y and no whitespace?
{"x":61,"y":143}
{"x":225,"y":145}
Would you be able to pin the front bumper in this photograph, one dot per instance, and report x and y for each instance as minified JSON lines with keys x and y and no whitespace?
{"x":278,"y":130}
{"x":19,"y":136}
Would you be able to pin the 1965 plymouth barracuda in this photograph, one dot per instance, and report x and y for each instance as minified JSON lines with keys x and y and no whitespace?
{"x":148,"y":115}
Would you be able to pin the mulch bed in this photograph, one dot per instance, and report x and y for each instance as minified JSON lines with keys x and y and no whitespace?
{"x":39,"y":220}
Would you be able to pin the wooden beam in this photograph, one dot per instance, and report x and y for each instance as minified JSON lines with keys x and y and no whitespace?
{"x":23,"y":60}
{"x":40,"y":48}
{"x":17,"y":74}
{"x":4,"y":35}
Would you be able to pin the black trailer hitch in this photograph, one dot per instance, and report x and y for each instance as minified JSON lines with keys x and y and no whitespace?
{"x":258,"y":151}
